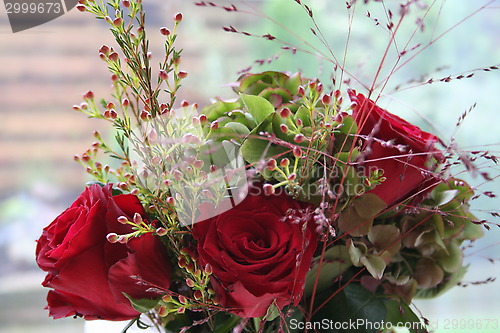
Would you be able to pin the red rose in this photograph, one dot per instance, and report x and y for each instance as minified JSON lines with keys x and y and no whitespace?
{"x":407,"y":172}
{"x":258,"y":256}
{"x":86,"y":272}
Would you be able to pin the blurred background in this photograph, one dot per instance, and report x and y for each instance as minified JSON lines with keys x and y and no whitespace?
{"x":45,"y":70}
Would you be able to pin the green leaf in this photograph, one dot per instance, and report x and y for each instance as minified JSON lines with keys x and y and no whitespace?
{"x":357,"y":218}
{"x":304,"y":114}
{"x":253,"y":150}
{"x":143,"y":305}
{"x":399,"y":312}
{"x":336,"y":261}
{"x":258,"y":107}
{"x":219,"y":109}
{"x":238,"y":128}
{"x":368,"y":205}
{"x":272,"y":313}
{"x":352,"y":304}
{"x":385,"y":238}
{"x":446,"y":196}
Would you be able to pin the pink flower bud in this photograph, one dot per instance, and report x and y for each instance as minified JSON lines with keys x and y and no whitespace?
{"x":125,"y":102}
{"x":110,"y":105}
{"x":184,"y":103}
{"x":284,"y":128}
{"x":214,"y":126}
{"x":81,"y":7}
{"x":126,"y":3}
{"x":182,"y":74}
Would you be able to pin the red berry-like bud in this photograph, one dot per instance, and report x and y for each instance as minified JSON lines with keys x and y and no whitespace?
{"x":182,"y":74}
{"x":297,"y":152}
{"x":184,"y":103}
{"x":81,"y":7}
{"x":214,"y":126}
{"x":110,"y":105}
{"x":88,"y":95}
{"x":326,"y":99}
{"x":113,"y":56}
{"x":299,"y":138}
{"x":301,"y":91}
{"x":284,"y":162}
{"x":145,"y":115}
{"x":112,"y":237}
{"x":198,"y":295}
{"x":271,"y":164}
{"x":190,"y":283}
{"x":284,"y":128}
{"x":164,"y":31}
{"x":178,"y":17}
{"x":285,"y":113}
{"x":337,"y":94}
{"x":163,"y":74}
{"x":161,"y":231}
{"x":104,"y":49}
{"x":118,"y":22}
{"x":126,"y":3}
{"x":268,"y":189}
{"x":125,"y":102}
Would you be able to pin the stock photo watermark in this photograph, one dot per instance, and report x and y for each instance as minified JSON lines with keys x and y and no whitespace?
{"x":27,"y":14}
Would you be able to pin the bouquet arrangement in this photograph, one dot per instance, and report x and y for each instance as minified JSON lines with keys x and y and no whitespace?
{"x":293,"y":207}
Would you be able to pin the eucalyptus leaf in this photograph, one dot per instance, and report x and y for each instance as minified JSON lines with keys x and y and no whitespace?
{"x":374,"y":264}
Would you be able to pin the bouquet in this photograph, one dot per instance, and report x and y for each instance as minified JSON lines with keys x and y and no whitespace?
{"x":293,"y":207}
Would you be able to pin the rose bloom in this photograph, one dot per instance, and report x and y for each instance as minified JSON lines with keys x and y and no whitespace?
{"x":408,"y":174}
{"x":87,"y":273}
{"x":258,"y":257}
